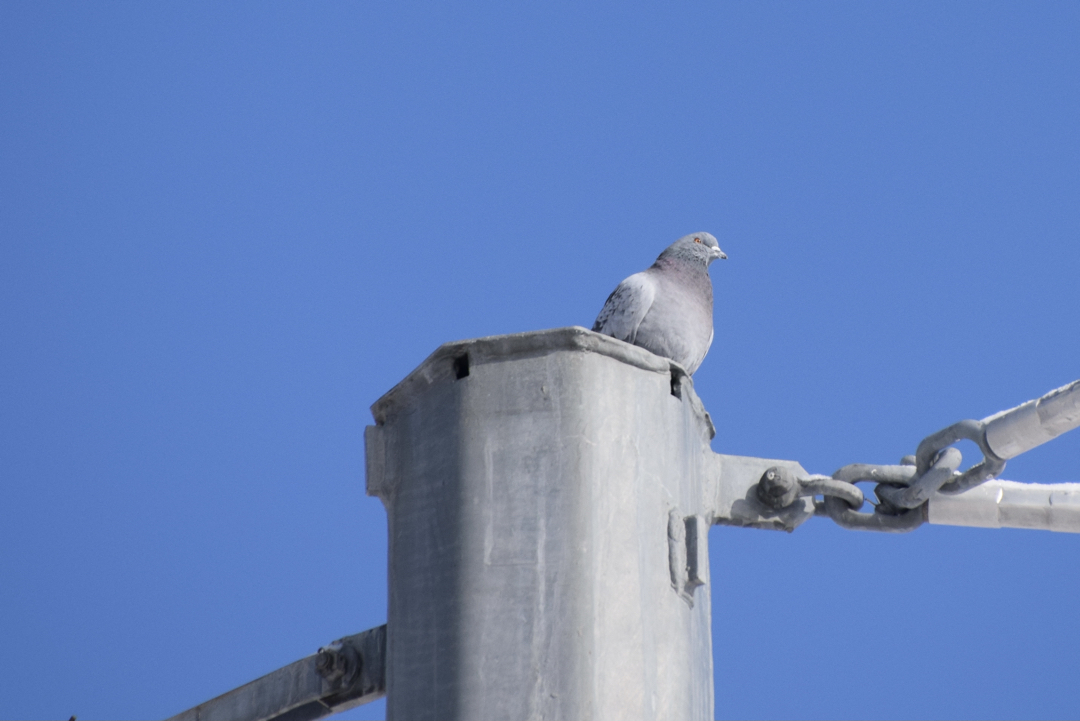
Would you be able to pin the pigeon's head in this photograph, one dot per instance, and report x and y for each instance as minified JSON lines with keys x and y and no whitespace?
{"x":699,"y":247}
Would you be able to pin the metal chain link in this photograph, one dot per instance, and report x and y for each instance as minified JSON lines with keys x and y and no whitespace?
{"x":903,"y":491}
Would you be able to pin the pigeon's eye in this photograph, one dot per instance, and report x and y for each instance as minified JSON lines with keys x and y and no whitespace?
{"x":697,"y":240}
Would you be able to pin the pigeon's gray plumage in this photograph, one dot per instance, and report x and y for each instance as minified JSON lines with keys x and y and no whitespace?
{"x":668,"y":308}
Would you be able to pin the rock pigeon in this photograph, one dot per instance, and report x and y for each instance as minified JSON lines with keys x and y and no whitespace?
{"x":667,"y":309}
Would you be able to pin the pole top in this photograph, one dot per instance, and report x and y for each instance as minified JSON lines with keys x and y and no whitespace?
{"x":453,"y":360}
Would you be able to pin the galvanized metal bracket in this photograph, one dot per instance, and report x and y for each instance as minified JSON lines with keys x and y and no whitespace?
{"x":736,"y":501}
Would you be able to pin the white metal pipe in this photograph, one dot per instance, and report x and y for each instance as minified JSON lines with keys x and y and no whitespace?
{"x":1008,"y":504}
{"x":1012,"y":432}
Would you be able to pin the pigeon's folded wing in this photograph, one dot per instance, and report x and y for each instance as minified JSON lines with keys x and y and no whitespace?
{"x":625,"y":308}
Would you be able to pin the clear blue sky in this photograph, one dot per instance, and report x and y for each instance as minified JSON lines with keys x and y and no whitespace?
{"x":226,"y":230}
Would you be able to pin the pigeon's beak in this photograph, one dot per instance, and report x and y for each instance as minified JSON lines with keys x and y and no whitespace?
{"x":720,"y":254}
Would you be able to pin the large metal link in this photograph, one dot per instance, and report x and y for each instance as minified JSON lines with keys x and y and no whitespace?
{"x":886,"y":519}
{"x":779,"y":488}
{"x":989,"y":467}
{"x":830,"y":487}
{"x":846,"y":517}
{"x":923,"y":485}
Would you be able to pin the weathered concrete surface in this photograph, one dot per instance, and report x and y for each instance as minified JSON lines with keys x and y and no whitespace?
{"x":548,"y":495}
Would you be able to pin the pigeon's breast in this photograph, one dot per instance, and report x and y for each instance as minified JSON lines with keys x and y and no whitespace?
{"x":679,"y":325}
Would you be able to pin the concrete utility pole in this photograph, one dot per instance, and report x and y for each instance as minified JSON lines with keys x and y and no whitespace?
{"x":549,"y":496}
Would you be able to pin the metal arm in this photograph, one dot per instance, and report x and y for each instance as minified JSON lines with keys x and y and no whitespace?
{"x":347,"y":673}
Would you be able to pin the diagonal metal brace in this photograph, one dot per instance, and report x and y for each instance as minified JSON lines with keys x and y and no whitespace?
{"x":349,"y":672}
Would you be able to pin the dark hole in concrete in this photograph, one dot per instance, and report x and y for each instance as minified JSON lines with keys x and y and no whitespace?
{"x":461,"y":366}
{"x":676,"y":384}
